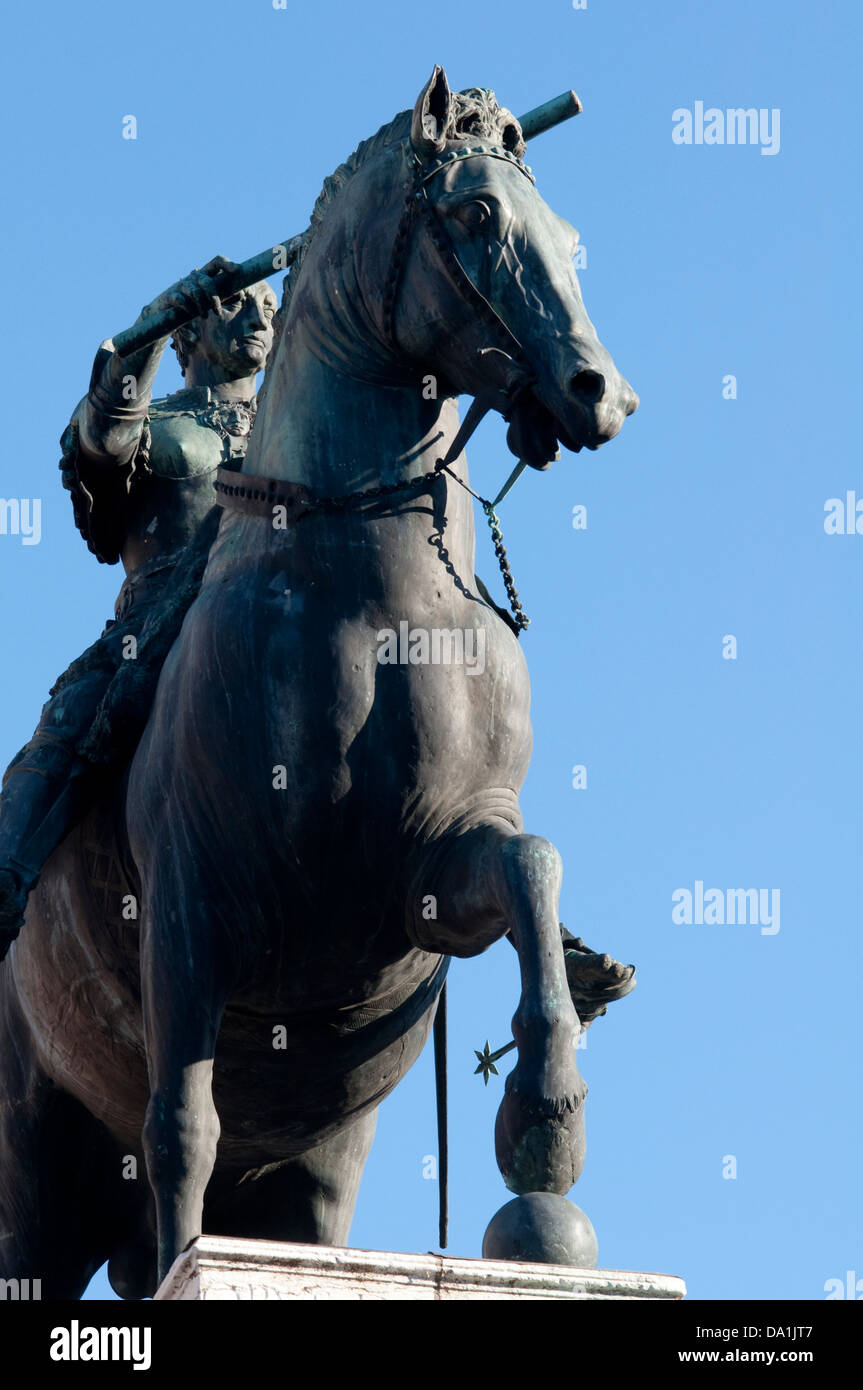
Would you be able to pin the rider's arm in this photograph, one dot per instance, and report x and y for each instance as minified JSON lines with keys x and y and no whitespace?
{"x":112,"y":418}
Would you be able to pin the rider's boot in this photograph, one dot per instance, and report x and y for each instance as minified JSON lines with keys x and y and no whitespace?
{"x":45,"y":792}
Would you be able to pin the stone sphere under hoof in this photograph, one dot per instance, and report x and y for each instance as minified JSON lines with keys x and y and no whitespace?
{"x":544,"y":1228}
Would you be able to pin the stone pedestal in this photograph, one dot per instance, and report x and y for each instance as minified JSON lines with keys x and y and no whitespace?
{"x":222,"y":1267}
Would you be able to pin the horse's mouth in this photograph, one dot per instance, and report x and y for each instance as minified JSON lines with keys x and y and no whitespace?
{"x":537,"y":430}
{"x":535,"y":434}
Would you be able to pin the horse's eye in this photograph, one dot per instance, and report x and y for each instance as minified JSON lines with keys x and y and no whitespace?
{"x":474,"y":216}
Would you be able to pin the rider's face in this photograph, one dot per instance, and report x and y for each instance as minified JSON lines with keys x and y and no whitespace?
{"x":238,"y":336}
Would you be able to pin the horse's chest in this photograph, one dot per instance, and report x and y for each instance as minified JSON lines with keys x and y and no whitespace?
{"x":411,"y":709}
{"x":356,"y":706}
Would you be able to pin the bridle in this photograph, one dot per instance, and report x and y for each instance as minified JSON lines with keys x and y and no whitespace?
{"x":257,"y":495}
{"x":419,"y":205}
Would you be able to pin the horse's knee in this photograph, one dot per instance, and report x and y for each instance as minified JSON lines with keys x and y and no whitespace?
{"x":180,"y":1137}
{"x":533,"y":863}
{"x":181,"y":1128}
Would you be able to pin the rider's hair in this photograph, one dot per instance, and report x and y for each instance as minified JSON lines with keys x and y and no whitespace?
{"x":183,"y":342}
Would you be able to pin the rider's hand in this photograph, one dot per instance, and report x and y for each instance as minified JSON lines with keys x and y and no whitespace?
{"x":196,"y":294}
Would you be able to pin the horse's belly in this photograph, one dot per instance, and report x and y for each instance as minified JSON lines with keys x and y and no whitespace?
{"x":285,"y":1078}
{"x":282,"y":1085}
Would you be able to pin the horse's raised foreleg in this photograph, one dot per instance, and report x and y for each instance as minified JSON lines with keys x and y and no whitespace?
{"x":182,"y":1005}
{"x":484,"y":883}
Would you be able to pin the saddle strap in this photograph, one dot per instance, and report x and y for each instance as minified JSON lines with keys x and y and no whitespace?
{"x":257,"y":496}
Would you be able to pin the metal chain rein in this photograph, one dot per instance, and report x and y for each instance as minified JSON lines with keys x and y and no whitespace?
{"x":369,"y":494}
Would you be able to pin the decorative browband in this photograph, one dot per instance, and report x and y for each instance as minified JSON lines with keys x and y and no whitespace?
{"x":471,"y":151}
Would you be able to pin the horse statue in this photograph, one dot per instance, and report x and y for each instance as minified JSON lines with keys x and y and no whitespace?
{"x":309,"y":829}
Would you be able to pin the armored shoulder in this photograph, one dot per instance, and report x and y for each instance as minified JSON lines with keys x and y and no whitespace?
{"x":100,"y":496}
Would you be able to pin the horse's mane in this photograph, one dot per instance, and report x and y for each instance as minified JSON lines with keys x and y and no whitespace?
{"x":474,"y":115}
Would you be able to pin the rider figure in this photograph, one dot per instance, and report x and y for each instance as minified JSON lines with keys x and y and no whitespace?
{"x":141,"y":476}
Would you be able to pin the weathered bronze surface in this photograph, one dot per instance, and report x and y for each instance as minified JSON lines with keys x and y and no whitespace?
{"x":308,"y":832}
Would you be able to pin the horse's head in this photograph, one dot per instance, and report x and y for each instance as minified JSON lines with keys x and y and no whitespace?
{"x":481,"y":288}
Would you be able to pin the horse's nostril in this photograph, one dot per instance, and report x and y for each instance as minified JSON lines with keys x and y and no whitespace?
{"x":588,"y":386}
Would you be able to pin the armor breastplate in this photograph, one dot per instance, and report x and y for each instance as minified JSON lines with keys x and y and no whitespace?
{"x":190,"y":433}
{"x":154,"y":506}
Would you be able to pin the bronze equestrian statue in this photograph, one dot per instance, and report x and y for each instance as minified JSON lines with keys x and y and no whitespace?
{"x":310,"y":833}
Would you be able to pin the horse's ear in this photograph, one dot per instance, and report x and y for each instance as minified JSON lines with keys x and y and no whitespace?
{"x":431,"y":115}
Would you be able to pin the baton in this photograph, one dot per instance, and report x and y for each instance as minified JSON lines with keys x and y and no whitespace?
{"x":249,"y":272}
{"x":284,"y":253}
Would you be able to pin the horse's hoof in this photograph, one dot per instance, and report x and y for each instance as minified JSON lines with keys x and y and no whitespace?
{"x":538,"y":1138}
{"x":543,"y":1228}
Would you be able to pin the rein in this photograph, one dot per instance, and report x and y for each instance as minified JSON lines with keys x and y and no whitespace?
{"x":257,"y":495}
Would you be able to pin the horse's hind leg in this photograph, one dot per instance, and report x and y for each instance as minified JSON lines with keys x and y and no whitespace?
{"x":54,"y":1228}
{"x":24,"y":1094}
{"x":310,"y":1198}
{"x":486,"y":882}
{"x":183,"y":1001}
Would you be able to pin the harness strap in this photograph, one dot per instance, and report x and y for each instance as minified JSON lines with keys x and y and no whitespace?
{"x":257,"y":496}
{"x":418,"y":203}
{"x":510,"y":482}
{"x":518,"y":372}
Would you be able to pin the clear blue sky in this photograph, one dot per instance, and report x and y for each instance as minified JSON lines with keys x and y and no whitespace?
{"x":705,"y":518}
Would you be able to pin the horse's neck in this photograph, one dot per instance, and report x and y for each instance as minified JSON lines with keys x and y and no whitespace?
{"x":339,"y":434}
{"x":341,"y":416}
{"x":323,"y":425}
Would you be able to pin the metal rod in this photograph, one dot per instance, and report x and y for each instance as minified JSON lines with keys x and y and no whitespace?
{"x":283,"y":254}
{"x":249,"y":272}
{"x":551,"y":113}
{"x":442,"y":1118}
